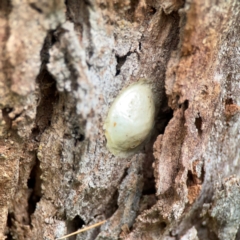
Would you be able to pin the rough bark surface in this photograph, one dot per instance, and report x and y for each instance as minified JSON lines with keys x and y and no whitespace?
{"x":61,"y":66}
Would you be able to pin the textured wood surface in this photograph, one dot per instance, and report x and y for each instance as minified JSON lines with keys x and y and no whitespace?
{"x":61,"y":66}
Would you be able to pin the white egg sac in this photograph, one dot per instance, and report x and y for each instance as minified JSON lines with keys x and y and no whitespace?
{"x":130,"y":119}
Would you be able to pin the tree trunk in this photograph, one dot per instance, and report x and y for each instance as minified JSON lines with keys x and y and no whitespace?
{"x":61,"y":67}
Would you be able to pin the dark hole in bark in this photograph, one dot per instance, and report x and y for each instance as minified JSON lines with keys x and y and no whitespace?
{"x":120,"y":62}
{"x":34,"y":183}
{"x":77,"y":134}
{"x":10,"y":217}
{"x":162,"y":225}
{"x":152,"y":10}
{"x":49,"y":41}
{"x":117,"y":72}
{"x":147,"y":169}
{"x":228,"y":101}
{"x":150,"y":190}
{"x":7,"y":110}
{"x":6,"y":118}
{"x":48,"y":97}
{"x":90,"y":52}
{"x":81,"y":138}
{"x":190,"y":178}
{"x":163,"y":119}
{"x":203,"y":174}
{"x":73,"y":225}
{"x":35,"y":134}
{"x":198,"y":124}
{"x":185,"y":105}
{"x":112,"y":206}
{"x":48,"y":94}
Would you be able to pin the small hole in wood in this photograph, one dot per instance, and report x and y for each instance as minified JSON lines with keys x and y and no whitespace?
{"x":198,"y":124}
{"x":162,"y":225}
{"x":73,"y":225}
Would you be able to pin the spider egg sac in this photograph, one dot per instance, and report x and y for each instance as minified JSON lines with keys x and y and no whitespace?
{"x":130,"y":119}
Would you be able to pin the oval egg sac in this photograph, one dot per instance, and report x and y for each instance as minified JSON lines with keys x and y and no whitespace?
{"x":130,"y":119}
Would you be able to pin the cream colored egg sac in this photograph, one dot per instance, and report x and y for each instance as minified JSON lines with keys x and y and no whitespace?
{"x":130,"y":119}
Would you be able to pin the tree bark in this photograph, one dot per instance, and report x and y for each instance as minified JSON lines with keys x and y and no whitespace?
{"x":62,"y":64}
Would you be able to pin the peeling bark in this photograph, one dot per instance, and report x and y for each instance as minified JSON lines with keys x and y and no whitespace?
{"x":61,"y":66}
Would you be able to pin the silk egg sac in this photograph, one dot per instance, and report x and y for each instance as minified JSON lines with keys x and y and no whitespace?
{"x":130,"y":119}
